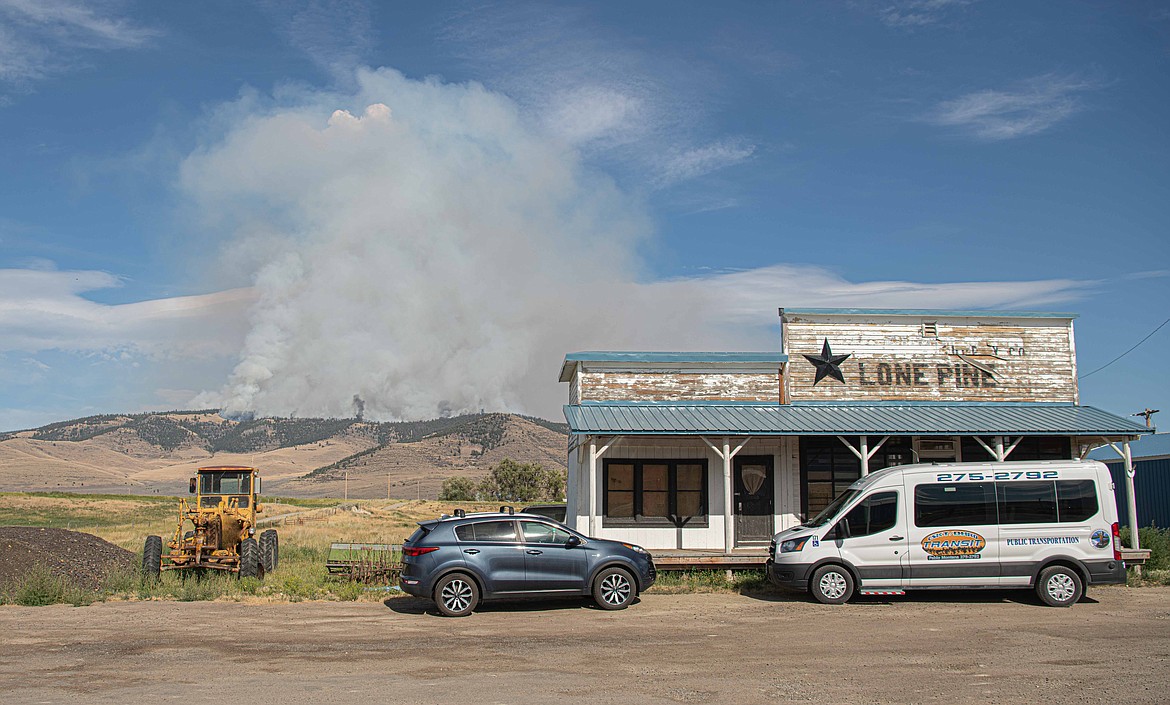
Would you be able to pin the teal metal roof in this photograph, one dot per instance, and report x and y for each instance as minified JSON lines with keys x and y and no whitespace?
{"x":760,"y":358}
{"x":939,"y":312}
{"x":1156,"y":445}
{"x":633,"y":418}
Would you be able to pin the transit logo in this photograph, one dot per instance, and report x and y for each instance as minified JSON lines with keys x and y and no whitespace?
{"x":1101,"y":538}
{"x":953,"y":544}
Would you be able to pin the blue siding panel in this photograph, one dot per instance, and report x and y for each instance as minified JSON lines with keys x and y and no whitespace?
{"x":1151,"y":489}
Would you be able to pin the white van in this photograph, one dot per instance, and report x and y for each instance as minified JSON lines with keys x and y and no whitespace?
{"x":1051,"y":525}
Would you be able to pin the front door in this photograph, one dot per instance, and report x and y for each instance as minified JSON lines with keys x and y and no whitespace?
{"x":753,"y":499}
{"x":549,"y":562}
{"x":873,"y":540}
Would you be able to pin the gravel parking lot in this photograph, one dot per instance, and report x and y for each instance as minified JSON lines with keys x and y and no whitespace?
{"x":717,"y":648}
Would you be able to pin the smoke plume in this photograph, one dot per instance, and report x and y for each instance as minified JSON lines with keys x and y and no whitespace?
{"x":420,"y":248}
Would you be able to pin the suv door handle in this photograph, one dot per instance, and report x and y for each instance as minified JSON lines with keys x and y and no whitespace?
{"x":471,"y":551}
{"x":534,"y":552}
{"x":897,"y":538}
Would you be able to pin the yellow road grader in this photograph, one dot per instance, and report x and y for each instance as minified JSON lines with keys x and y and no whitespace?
{"x":217,"y":529}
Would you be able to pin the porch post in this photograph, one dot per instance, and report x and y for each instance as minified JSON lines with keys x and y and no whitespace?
{"x":592,"y":490}
{"x":999,"y":449}
{"x":1130,"y":498}
{"x":728,"y":523}
{"x":864,"y":456}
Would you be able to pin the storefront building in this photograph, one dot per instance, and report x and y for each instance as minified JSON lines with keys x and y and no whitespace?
{"x":718,"y":451}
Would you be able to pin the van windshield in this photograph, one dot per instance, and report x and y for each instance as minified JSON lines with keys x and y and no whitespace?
{"x":831,"y":511}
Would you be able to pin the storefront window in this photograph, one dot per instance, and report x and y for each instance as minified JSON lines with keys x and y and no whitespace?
{"x":667,"y":492}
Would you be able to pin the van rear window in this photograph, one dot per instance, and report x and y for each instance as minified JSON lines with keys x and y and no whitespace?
{"x":1077,"y":499}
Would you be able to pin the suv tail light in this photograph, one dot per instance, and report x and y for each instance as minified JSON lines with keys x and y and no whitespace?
{"x":415,"y":552}
{"x":1116,"y":541}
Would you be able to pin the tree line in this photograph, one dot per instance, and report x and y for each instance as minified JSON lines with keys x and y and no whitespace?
{"x":507,"y":481}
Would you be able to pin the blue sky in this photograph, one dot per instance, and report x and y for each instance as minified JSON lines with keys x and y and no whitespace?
{"x":278,"y":207}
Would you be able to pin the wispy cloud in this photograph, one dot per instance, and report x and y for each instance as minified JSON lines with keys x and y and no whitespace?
{"x":40,"y":38}
{"x":1034,"y":106}
{"x":334,"y":34}
{"x":918,"y":13}
{"x":621,"y":101}
{"x":45,"y":309}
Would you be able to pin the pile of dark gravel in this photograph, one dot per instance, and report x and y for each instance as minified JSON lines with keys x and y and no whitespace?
{"x":82,"y":559}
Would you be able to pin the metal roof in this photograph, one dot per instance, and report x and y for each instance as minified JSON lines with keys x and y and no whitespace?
{"x":634,"y":418}
{"x":1154,"y":445}
{"x":749,"y":358}
{"x":934,"y":312}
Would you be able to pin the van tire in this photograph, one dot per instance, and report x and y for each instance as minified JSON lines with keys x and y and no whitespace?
{"x":1059,"y":586}
{"x":831,"y":585}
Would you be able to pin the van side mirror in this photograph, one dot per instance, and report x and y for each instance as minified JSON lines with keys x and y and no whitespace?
{"x":573,"y":542}
{"x":191,"y":488}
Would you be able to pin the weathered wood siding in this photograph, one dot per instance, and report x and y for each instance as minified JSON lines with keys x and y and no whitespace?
{"x":959,"y":359}
{"x":674,"y":385}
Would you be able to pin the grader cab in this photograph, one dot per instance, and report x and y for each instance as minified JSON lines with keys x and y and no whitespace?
{"x":217,"y":528}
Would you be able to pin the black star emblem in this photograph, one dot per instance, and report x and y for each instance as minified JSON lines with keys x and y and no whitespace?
{"x":827,"y":364}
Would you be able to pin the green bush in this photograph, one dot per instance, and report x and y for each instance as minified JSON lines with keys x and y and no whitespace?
{"x":457,"y":489}
{"x":40,"y":587}
{"x":510,"y":481}
{"x":1157,"y":541}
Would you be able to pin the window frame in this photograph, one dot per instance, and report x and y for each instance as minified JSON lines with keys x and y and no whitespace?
{"x":639,"y":519}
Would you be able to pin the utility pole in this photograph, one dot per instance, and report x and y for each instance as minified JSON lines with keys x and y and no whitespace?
{"x":418,"y":489}
{"x":1147,"y":413}
{"x":347,"y":485}
{"x":387,"y":485}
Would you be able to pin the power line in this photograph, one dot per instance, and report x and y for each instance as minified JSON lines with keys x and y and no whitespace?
{"x":1135,"y":347}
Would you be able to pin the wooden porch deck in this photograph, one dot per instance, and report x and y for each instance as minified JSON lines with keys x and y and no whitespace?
{"x":709,"y":559}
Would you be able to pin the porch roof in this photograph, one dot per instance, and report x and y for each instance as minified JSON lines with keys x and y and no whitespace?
{"x":810,"y":419}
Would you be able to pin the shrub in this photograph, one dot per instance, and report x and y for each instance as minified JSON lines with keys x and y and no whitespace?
{"x":457,"y":489}
{"x":40,"y":587}
{"x":510,"y":481}
{"x":1155,"y":539}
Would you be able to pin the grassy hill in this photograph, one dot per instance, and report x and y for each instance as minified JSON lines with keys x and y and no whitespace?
{"x":154,"y":452}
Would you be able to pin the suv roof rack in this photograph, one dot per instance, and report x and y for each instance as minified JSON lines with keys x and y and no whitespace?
{"x":507,"y":509}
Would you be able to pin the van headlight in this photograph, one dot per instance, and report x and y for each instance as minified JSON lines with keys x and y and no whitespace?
{"x":793,"y":545}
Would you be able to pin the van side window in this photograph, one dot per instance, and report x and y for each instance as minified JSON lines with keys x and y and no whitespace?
{"x":1077,"y":499}
{"x":874,"y":514}
{"x":966,"y":504}
{"x":1027,"y":502}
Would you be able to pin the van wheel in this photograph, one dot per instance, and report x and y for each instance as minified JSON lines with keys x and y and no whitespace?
{"x":456,"y":595}
{"x":831,"y":585}
{"x":1059,"y":586}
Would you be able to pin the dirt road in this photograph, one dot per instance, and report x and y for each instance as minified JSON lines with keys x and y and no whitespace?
{"x":974,"y":647}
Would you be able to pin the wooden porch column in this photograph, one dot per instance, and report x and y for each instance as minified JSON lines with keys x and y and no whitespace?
{"x":1130,"y":497}
{"x":728,"y":521}
{"x":592,"y":485}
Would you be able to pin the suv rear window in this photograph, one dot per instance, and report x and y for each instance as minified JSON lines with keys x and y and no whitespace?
{"x":420,"y":532}
{"x":487,"y":531}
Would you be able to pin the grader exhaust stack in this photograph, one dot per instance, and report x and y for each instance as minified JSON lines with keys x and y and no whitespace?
{"x":217,"y":529}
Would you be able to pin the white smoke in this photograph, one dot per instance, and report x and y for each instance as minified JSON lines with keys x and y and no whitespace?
{"x":432,"y":250}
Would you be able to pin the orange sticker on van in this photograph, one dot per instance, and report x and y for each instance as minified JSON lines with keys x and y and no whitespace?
{"x":953,"y":544}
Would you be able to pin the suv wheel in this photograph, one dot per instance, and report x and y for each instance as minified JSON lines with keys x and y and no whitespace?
{"x":456,"y":595}
{"x":1059,"y":586}
{"x":613,"y":589}
{"x":831,"y":585}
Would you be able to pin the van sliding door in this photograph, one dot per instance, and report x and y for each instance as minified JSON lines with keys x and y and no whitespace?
{"x":954,"y":532}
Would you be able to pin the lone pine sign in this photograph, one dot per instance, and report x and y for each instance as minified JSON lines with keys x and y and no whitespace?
{"x":838,"y":355}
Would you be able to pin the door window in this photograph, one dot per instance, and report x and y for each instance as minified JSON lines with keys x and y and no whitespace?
{"x":491,"y":531}
{"x":876,"y":513}
{"x":536,"y":532}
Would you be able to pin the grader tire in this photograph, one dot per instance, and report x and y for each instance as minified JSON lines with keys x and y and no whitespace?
{"x":269,"y":550}
{"x":250,"y":565}
{"x":152,"y":558}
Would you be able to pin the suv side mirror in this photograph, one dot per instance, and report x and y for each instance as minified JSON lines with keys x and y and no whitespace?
{"x":191,"y":487}
{"x":573,"y":542}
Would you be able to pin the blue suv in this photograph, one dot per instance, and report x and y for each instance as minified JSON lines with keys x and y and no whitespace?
{"x":459,"y":560}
